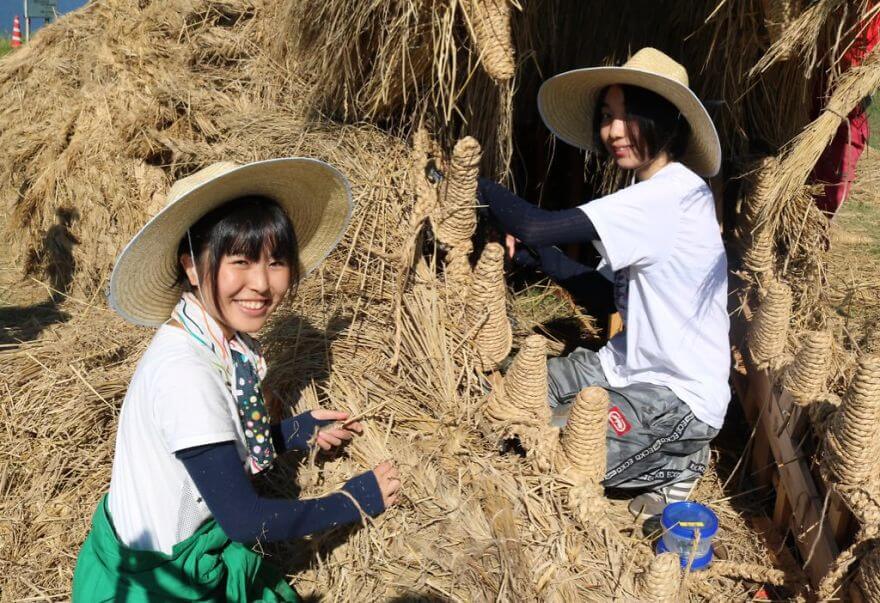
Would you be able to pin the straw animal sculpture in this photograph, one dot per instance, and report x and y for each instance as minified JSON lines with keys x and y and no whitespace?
{"x":486,"y":309}
{"x":769,"y":328}
{"x":456,"y":217}
{"x":99,"y":138}
{"x":490,"y":23}
{"x":660,"y":581}
{"x":805,"y":377}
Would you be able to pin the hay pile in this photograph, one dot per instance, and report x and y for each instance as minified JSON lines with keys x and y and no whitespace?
{"x":124,"y":96}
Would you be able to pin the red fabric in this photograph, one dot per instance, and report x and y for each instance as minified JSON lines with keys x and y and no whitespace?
{"x":864,"y":44}
{"x":836,"y":167}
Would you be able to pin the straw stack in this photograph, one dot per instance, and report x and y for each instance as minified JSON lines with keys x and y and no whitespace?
{"x":486,"y":309}
{"x":660,"y":582}
{"x":769,"y":328}
{"x":806,"y":376}
{"x":853,"y":439}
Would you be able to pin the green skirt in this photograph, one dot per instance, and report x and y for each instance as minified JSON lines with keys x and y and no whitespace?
{"x":207,"y":566}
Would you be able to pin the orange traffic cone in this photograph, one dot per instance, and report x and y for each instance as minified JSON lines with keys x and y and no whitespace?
{"x":16,"y":32}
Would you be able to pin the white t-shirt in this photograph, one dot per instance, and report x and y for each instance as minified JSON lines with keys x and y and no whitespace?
{"x":177,"y":399}
{"x":661,"y":238}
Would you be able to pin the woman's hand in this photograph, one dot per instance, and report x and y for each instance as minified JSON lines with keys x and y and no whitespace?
{"x":333,"y":436}
{"x":510,"y":242}
{"x":389,"y":482}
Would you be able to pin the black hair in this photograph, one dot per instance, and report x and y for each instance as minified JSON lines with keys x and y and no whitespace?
{"x":243,"y":226}
{"x":661,"y":125}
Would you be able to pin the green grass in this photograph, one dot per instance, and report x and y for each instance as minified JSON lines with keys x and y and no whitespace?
{"x":5,"y":46}
{"x":874,"y":121}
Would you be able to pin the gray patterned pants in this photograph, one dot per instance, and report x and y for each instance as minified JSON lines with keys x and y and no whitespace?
{"x":653,"y":437}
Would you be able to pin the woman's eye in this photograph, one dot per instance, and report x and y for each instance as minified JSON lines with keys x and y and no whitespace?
{"x":278,"y":263}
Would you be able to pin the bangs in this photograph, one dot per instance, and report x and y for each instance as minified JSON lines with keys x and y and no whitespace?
{"x":255,"y":225}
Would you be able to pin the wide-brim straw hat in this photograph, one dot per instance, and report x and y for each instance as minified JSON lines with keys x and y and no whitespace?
{"x":567,"y":103}
{"x":315,"y":196}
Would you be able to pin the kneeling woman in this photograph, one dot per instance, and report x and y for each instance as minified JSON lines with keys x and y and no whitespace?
{"x":207,"y":270}
{"x":660,"y":244}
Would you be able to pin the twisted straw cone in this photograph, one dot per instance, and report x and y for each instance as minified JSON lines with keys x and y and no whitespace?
{"x":769,"y":329}
{"x":521,"y":397}
{"x":583,"y":439}
{"x":660,"y":582}
{"x":490,"y":20}
{"x":455,"y":219}
{"x":525,"y":384}
{"x":852,"y":441}
{"x":759,"y":255}
{"x":426,"y":193}
{"x":487,"y":304}
{"x":761,"y":180}
{"x":869,"y":576}
{"x":805,"y":378}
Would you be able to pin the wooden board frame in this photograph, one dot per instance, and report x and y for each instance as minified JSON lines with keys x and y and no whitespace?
{"x":821,"y":528}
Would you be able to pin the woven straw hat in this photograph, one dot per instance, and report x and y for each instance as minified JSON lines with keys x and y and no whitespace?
{"x":567,"y":103}
{"x":315,"y":196}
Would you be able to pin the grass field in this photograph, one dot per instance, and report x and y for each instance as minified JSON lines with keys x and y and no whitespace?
{"x":5,"y":46}
{"x":874,"y":121}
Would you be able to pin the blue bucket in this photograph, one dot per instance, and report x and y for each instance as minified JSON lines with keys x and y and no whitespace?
{"x":688,"y":530}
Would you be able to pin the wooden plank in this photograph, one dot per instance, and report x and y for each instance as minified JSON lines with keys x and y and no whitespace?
{"x":813,"y":535}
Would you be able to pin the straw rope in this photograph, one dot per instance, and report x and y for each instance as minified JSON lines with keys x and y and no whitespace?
{"x":868,"y":579}
{"x":458,"y":270}
{"x":486,"y":309}
{"x":660,"y":581}
{"x":760,"y":574}
{"x":490,"y":22}
{"x":852,"y":440}
{"x":426,"y":193}
{"x":583,"y":439}
{"x":805,"y":378}
{"x":455,"y":219}
{"x":769,"y":329}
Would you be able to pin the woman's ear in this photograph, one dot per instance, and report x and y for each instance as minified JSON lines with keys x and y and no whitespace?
{"x":191,"y":274}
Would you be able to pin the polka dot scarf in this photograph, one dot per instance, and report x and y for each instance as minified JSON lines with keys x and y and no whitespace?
{"x":243,"y":368}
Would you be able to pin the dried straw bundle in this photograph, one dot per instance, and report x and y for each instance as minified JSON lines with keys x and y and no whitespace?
{"x":853,"y":439}
{"x":490,"y":27}
{"x":426,"y":192}
{"x":806,"y":376}
{"x":769,"y":328}
{"x":660,"y":581}
{"x":778,"y":17}
{"x":486,"y":309}
{"x":455,"y":220}
{"x":458,"y":270}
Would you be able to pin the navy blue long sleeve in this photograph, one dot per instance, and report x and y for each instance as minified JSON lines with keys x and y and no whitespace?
{"x":246,"y":517}
{"x":294,"y":433}
{"x":532,"y":225}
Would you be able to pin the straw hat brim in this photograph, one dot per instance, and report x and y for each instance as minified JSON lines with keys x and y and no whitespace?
{"x":316,"y":197}
{"x":567,"y":103}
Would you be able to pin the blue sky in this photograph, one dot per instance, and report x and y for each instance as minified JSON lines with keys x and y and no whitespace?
{"x":10,"y":8}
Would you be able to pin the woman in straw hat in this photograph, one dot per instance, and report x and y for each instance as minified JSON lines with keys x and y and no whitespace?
{"x":661,"y":253}
{"x":208,"y":269}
